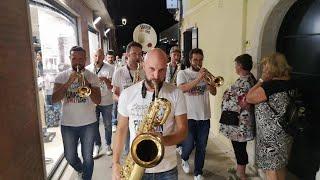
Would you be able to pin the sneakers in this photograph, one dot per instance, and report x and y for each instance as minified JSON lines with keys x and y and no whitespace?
{"x":79,"y":176}
{"x":109,"y":150}
{"x":185,"y":166}
{"x":114,"y":128}
{"x":199,"y":177}
{"x":179,"y":150}
{"x":96,"y":149}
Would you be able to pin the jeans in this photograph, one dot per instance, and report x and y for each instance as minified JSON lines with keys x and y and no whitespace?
{"x":70,"y":137}
{"x":106,"y":112}
{"x":197,"y":137}
{"x":168,"y":175}
{"x":115,"y":113}
{"x":49,"y":99}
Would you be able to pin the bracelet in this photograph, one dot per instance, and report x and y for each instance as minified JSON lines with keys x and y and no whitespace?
{"x":260,"y":80}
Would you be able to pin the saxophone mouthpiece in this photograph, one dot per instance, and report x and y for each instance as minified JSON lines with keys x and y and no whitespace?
{"x":156,"y":88}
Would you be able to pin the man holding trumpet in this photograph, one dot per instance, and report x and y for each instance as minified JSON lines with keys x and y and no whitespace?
{"x":78,"y":111}
{"x":104,"y":71}
{"x":194,"y":82}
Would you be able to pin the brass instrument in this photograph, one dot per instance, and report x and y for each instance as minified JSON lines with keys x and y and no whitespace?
{"x":83,"y":91}
{"x":147,"y":150}
{"x":137,"y":75}
{"x":173,"y":80}
{"x":212,"y":80}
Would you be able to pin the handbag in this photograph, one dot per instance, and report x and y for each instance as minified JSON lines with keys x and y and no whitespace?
{"x":294,"y":121}
{"x":229,"y":118}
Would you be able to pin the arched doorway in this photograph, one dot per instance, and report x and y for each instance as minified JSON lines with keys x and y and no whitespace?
{"x":299,"y":40}
{"x":293,"y":28}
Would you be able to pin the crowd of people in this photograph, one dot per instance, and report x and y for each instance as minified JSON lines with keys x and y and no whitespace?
{"x":121,"y":94}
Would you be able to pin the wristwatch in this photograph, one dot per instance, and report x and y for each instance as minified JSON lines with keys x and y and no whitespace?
{"x":260,"y":80}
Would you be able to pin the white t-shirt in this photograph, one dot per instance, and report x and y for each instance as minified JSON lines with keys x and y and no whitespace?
{"x":122,"y":79}
{"x":105,"y":71}
{"x":197,"y":99}
{"x":132,"y":105}
{"x":77,"y":111}
{"x":113,"y":65}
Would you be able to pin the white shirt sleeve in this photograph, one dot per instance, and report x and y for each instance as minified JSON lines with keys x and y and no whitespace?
{"x":112,"y":73}
{"x":181,"y":78}
{"x":181,"y":107}
{"x":94,"y":80}
{"x":116,"y":78}
{"x":61,"y":78}
{"x":122,"y":104}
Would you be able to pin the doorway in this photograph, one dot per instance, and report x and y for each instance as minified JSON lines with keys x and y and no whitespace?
{"x":299,"y":40}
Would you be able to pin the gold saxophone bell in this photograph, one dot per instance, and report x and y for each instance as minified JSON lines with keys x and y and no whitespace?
{"x":147,"y":150}
{"x":212,"y":80}
{"x":83,"y":91}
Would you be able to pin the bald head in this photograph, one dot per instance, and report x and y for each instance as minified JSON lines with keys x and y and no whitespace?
{"x":155,"y":65}
{"x":99,"y":56}
{"x":156,"y":54}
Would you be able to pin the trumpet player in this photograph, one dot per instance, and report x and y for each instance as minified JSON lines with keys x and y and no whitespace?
{"x":104,"y":71}
{"x":126,"y":76}
{"x":196,"y":90}
{"x":173,"y":66}
{"x":133,"y":104}
{"x":78,"y":113}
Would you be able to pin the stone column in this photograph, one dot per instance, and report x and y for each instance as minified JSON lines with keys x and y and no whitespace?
{"x":21,"y":146}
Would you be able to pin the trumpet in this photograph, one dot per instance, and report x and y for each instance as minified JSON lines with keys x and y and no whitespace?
{"x":147,"y":150}
{"x":211,"y":79}
{"x":137,"y":75}
{"x":83,"y":91}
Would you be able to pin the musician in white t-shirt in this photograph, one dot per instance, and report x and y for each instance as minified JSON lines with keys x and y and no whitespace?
{"x":174,"y":65}
{"x":78,"y":113}
{"x":111,"y":60}
{"x":123,"y":77}
{"x":133,"y":104}
{"x":196,"y":90}
{"x":104,"y":71}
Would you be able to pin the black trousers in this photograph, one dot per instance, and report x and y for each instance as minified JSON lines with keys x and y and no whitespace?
{"x":240,"y":151}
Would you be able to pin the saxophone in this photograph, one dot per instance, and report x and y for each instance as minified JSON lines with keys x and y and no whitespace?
{"x":137,"y":76}
{"x":173,"y":80}
{"x":147,"y":150}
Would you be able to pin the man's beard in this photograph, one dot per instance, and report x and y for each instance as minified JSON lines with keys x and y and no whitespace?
{"x":111,"y":61}
{"x":74,"y":67}
{"x":195,"y":68}
{"x":150,"y":83}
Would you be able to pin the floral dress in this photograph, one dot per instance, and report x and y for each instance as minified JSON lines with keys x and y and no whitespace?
{"x":272,"y":142}
{"x":232,"y":97}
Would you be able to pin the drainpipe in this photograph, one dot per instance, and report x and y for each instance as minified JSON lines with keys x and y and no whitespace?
{"x":180,"y":23}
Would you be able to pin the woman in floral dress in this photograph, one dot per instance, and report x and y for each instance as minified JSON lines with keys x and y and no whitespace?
{"x":272,"y":142}
{"x":234,"y":100}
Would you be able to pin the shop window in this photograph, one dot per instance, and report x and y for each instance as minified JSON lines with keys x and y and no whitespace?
{"x":54,"y":33}
{"x":93,"y":42}
{"x":105,"y":45}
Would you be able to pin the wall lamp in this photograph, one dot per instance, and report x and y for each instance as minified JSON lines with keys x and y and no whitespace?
{"x":96,"y":20}
{"x":106,"y":31}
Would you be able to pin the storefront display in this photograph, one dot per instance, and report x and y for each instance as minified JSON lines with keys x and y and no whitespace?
{"x":54,"y":33}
